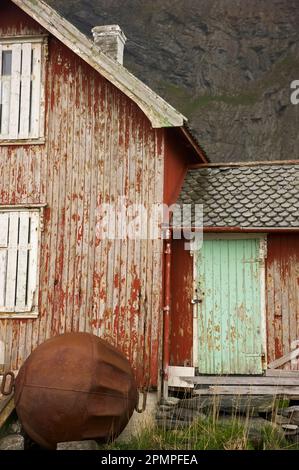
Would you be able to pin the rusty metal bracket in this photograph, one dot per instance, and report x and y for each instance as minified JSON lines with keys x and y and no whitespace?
{"x":141,"y":410}
{"x":4,"y":390}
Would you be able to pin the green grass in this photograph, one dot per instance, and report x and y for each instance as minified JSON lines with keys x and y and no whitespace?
{"x":187,"y":104}
{"x":206,"y":434}
{"x":215,"y":431}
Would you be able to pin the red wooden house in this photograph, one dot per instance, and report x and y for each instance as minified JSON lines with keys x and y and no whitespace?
{"x":78,"y":130}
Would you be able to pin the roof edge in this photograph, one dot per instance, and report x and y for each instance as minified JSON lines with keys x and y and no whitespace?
{"x":199,"y":166}
{"x":218,"y":229}
{"x":196,"y":145}
{"x":159,"y":112}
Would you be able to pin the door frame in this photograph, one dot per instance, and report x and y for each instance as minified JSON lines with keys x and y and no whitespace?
{"x":262,"y":256}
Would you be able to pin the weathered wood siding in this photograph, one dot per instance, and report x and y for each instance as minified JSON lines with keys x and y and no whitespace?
{"x":181,"y":339}
{"x":98,"y":145}
{"x":282,"y":285}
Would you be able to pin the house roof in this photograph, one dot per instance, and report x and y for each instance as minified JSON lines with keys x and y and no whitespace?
{"x":260,"y":196}
{"x":158,"y":111}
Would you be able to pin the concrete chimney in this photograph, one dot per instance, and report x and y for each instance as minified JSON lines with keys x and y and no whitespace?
{"x":111,"y":40}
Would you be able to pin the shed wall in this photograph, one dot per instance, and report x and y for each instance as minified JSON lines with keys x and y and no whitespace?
{"x":282,"y":296}
{"x":181,"y":339}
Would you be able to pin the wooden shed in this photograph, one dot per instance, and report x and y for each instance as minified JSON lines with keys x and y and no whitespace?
{"x":78,"y":130}
{"x":235,"y":301}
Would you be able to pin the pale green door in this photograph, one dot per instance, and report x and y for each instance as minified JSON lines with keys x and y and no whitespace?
{"x":229,"y":309}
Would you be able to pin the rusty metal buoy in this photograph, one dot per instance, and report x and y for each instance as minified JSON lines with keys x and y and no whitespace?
{"x":75,"y":387}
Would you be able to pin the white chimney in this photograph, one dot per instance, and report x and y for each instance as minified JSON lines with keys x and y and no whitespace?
{"x":111,"y":40}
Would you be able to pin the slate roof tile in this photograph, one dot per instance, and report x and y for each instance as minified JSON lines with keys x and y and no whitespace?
{"x":254,"y":196}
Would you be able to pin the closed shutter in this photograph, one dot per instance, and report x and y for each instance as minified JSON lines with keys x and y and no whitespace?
{"x":18,"y":260}
{"x":21,"y":90}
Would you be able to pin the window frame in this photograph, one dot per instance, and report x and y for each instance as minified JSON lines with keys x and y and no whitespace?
{"x":34,"y":312}
{"x":43,"y":41}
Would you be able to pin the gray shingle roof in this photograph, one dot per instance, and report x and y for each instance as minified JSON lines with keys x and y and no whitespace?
{"x":246,"y":196}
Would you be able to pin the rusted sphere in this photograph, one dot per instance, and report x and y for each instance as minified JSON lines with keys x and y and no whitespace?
{"x":75,"y":387}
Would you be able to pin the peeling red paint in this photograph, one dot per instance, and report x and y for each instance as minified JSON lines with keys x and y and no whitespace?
{"x":282,"y":265}
{"x":93,"y":133}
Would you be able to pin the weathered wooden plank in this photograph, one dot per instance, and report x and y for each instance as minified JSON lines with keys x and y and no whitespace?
{"x":14,"y":115}
{"x":36,"y":91}
{"x":5,"y":98}
{"x":33,"y":260}
{"x":3,"y":255}
{"x":282,"y":360}
{"x":282,"y":373}
{"x":22,"y":261}
{"x":282,"y":297}
{"x":246,"y":381}
{"x":25,"y":91}
{"x":248,"y":390}
{"x":12,"y":262}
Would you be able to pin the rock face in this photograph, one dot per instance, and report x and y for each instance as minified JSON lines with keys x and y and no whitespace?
{"x":226,"y":64}
{"x":12,"y":442}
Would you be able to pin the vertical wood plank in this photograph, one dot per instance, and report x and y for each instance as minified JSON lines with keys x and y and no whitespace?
{"x":1,"y":89}
{"x":12,"y":260}
{"x":5,"y":99}
{"x":3,"y":256}
{"x":36,"y":91}
{"x":33,"y":261}
{"x":22,"y":261}
{"x":15,"y":92}
{"x":25,"y":91}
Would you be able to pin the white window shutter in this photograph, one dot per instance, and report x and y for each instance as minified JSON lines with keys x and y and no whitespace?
{"x":22,"y":93}
{"x":19,"y":237}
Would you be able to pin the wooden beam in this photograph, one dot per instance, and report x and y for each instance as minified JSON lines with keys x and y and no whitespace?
{"x":249,"y":390}
{"x":282,"y":373}
{"x":245,"y":164}
{"x":7,"y":406}
{"x":240,"y":381}
{"x":284,"y":359}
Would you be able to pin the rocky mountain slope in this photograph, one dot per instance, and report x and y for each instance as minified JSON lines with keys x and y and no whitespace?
{"x":226,"y":64}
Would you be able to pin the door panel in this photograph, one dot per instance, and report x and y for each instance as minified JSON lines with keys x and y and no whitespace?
{"x":229,"y":314}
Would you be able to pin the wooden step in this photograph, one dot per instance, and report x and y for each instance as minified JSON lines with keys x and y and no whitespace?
{"x":243,"y":380}
{"x":290,"y":391}
{"x":282,"y":373}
